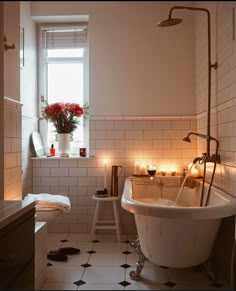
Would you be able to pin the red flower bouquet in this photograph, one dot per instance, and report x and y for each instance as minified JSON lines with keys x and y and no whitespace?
{"x":64,"y":116}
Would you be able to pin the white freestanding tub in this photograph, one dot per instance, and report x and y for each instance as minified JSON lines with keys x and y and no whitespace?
{"x":177,"y":236}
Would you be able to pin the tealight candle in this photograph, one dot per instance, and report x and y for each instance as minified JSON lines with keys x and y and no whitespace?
{"x":163,"y":171}
{"x":172,"y":172}
{"x":82,"y":152}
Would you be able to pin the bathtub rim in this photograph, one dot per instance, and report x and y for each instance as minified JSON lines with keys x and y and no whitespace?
{"x":209,"y":212}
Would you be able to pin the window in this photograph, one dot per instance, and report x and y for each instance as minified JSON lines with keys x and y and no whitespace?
{"x":64,"y":76}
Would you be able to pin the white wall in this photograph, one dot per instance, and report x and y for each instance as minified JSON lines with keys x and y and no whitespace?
{"x":11,"y":56}
{"x":28,"y":75}
{"x":135,"y":67}
{"x":28,"y":93}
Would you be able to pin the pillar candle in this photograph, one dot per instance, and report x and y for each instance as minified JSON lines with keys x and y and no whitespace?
{"x":143,"y":169}
{"x":136,"y":168}
{"x":105,"y":174}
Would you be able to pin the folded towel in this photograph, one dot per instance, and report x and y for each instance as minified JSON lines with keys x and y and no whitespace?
{"x":46,"y":201}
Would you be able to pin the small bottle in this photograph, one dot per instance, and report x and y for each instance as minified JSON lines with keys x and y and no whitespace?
{"x":52,"y":150}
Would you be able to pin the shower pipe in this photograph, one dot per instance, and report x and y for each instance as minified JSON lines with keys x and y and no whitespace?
{"x":173,"y":21}
{"x":206,"y":157}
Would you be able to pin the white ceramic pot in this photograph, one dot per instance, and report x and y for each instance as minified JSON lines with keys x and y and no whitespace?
{"x":64,"y":144}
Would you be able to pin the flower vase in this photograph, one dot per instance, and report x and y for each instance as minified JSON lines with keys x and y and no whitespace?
{"x":64,"y":144}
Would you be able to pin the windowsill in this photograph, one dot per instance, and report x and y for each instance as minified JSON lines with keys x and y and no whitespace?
{"x":61,"y":158}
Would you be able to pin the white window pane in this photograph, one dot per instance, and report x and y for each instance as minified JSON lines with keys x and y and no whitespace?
{"x":65,"y":83}
{"x":66,"y":53}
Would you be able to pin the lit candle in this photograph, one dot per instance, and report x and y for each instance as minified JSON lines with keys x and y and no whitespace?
{"x":143,"y":170}
{"x":136,"y":168}
{"x":173,"y":172}
{"x":105,"y":174}
{"x":163,"y":171}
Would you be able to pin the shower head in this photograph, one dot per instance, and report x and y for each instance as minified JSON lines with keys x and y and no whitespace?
{"x":187,"y":139}
{"x":169,"y":22}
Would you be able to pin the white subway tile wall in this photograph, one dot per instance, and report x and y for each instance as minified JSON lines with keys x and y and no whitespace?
{"x":12,"y":150}
{"x":119,"y":142}
{"x":29,"y":124}
{"x":223,"y":117}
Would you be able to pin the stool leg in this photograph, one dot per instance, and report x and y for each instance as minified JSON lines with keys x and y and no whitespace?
{"x":95,"y":219}
{"x":117,"y":219}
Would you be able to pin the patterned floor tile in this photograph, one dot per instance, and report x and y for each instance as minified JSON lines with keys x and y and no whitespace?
{"x":124,"y":283}
{"x":125,"y":266}
{"x":79,"y":283}
{"x":103,"y":274}
{"x":126,"y":252}
{"x":104,"y":263}
{"x":59,"y":286}
{"x":110,"y":237}
{"x":64,"y":274}
{"x":142,"y":286}
{"x":91,"y":252}
{"x":169,"y":284}
{"x":107,"y":259}
{"x":101,"y":286}
{"x":81,"y":237}
{"x":103,"y":247}
{"x":86,"y":265}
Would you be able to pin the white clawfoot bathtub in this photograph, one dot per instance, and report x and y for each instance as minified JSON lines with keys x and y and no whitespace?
{"x":177,"y":236}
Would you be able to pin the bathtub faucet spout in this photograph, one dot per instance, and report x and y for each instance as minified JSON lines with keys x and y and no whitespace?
{"x":201,"y":159}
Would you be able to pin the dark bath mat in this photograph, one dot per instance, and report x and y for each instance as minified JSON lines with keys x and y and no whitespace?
{"x":57,"y":256}
{"x":69,"y":251}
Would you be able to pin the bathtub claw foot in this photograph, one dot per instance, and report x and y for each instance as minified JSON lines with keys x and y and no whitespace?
{"x":135,"y":275}
{"x":209,"y":271}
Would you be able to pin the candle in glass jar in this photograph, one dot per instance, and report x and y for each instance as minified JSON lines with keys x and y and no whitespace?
{"x":82,"y":152}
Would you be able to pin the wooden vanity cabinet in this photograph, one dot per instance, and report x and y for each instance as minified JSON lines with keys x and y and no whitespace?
{"x":17,"y":253}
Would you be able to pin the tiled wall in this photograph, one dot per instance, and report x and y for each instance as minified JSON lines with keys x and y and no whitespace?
{"x":29,"y":124}
{"x":121,"y":141}
{"x":223,"y":111}
{"x":12,"y":150}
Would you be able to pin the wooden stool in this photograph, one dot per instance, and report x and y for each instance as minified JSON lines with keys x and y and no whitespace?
{"x":106,"y":224}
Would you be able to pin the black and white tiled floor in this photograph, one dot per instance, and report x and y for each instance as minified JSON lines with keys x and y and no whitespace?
{"x":105,"y":264}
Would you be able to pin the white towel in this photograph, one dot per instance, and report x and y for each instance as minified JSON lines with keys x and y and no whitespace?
{"x":46,"y":201}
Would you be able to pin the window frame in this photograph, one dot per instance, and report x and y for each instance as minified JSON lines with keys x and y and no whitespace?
{"x":42,"y":81}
